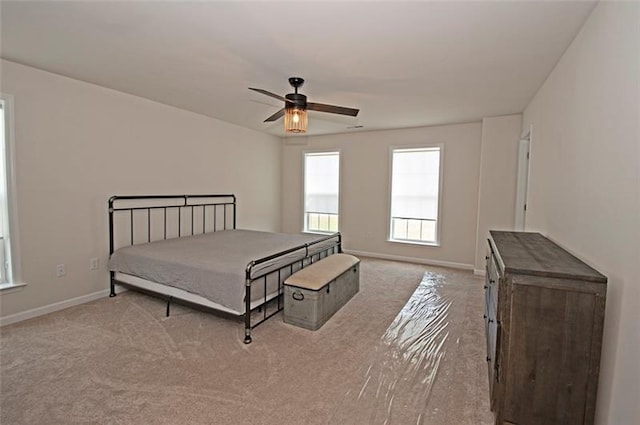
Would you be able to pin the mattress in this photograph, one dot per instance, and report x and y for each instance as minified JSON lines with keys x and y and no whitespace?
{"x":213,"y":265}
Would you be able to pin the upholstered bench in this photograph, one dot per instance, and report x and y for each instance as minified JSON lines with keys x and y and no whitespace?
{"x":313,"y":294}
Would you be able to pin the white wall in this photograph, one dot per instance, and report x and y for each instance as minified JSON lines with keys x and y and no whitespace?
{"x":497,"y":187}
{"x":365,"y":190}
{"x":77,"y":144}
{"x":584,"y":188}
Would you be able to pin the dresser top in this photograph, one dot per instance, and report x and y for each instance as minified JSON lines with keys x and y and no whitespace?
{"x":533,"y":254}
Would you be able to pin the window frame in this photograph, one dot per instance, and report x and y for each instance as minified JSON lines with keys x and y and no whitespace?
{"x":304,"y":192}
{"x":14,"y":275}
{"x":438,"y":229}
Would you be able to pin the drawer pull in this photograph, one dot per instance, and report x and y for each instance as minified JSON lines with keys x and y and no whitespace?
{"x":298,"y":296}
{"x":490,"y":320}
{"x":488,"y":358}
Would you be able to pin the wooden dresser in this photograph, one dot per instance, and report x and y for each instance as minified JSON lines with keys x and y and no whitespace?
{"x":544,"y":314}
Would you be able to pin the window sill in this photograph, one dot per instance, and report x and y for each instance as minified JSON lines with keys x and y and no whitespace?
{"x":310,"y":232}
{"x":436,"y":244}
{"x":9,"y":287}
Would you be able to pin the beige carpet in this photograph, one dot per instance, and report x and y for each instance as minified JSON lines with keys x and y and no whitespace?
{"x":387,"y":357}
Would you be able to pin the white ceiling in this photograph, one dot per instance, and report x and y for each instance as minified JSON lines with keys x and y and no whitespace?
{"x":403,"y":64}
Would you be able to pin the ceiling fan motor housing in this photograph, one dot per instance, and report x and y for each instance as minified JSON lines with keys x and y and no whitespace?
{"x":297,"y":101}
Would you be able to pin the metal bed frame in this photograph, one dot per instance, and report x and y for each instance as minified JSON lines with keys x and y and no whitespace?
{"x":188,"y":207}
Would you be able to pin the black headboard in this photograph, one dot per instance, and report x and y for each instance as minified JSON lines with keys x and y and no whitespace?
{"x":155,"y":217}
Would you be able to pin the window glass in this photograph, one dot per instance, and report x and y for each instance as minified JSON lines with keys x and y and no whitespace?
{"x":321,"y":192}
{"x":415,"y":191}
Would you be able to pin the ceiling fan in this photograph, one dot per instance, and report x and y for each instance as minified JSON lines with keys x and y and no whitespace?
{"x":296,"y":107}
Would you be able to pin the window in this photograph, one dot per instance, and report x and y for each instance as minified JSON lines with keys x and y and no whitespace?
{"x":321,"y":191}
{"x":8,"y":226}
{"x":415,"y":192}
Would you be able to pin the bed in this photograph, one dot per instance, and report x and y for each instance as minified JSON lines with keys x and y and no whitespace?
{"x":187,"y":247}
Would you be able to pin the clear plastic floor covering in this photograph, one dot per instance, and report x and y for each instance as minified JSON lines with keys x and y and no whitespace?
{"x":416,"y":361}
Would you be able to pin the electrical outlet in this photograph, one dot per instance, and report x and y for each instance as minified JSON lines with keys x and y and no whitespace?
{"x":94,"y":264}
{"x":61,"y":270}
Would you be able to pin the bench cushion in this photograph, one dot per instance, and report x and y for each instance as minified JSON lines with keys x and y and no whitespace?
{"x":319,"y":274}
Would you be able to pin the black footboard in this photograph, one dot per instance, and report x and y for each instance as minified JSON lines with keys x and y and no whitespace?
{"x":313,"y":251}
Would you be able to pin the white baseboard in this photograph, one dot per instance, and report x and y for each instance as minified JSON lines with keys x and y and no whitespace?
{"x":429,"y":262}
{"x":479,"y":272}
{"x":40,"y":311}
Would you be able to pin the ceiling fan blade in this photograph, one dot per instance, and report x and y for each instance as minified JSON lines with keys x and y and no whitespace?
{"x":268,"y":93}
{"x":332,"y":109}
{"x":275,"y":116}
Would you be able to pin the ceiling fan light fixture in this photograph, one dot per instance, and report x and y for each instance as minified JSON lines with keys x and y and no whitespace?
{"x":295,"y":120}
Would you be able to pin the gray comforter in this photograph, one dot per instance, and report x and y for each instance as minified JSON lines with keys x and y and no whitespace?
{"x":211,"y":265}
